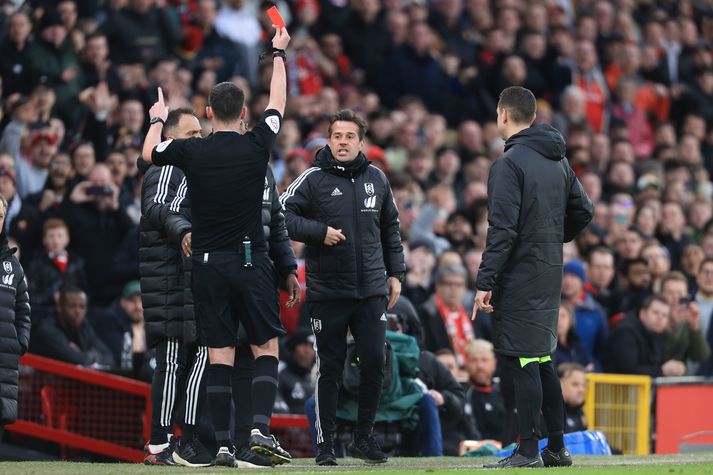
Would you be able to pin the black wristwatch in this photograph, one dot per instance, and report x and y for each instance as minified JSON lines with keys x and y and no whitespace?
{"x":279,"y":53}
{"x":400,"y":276}
{"x":157,"y":119}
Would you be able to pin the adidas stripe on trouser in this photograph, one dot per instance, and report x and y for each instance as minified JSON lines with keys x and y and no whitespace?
{"x":178,"y":382}
{"x":330,"y":320}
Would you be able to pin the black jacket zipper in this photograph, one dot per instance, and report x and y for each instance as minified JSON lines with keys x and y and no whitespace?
{"x":357,"y":240}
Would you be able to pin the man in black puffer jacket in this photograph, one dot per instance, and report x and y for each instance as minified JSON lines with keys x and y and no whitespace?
{"x":162,"y":287}
{"x":343,"y":209}
{"x":14,"y":325}
{"x":535,"y":203}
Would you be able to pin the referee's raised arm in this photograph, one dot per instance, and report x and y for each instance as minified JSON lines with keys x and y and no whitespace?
{"x":278,"y":83}
{"x":158,"y":114}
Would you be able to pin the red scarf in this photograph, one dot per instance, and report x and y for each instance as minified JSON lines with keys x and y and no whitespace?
{"x":459,"y":328}
{"x":60,"y":261}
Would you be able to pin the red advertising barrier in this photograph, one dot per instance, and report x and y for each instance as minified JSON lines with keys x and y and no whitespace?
{"x":84,"y":410}
{"x":684,"y":418}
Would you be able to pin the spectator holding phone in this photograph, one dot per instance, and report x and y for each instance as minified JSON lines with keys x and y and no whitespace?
{"x":98,"y":226}
{"x":683,"y":339}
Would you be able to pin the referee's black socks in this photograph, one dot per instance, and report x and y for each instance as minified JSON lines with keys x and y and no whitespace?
{"x":219,"y":391}
{"x":264,"y":391}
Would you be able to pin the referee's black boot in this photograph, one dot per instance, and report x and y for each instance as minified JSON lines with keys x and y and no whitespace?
{"x":326,"y":456}
{"x":366,"y":448}
{"x":556,"y":459}
{"x":244,"y":458}
{"x":269,"y":446}
{"x":517,"y":460}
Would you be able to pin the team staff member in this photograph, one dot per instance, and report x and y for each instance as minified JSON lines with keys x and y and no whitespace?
{"x":232,"y":273}
{"x":535,"y":203}
{"x":162,"y":288}
{"x":14,"y":325}
{"x":343,"y":209}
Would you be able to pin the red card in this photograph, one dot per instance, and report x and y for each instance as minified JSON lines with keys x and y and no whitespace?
{"x":275,"y":17}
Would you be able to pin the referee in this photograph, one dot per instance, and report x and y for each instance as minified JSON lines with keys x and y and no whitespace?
{"x":343,"y":209}
{"x":535,"y":203}
{"x":233,"y":279}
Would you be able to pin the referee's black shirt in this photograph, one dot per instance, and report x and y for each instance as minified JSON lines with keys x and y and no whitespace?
{"x":225,"y":173}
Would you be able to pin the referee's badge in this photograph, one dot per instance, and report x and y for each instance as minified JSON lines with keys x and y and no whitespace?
{"x":273,"y":122}
{"x":316,"y":325}
{"x":163,"y":145}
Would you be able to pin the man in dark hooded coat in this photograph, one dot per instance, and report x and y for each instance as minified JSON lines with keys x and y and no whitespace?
{"x":535,"y":203}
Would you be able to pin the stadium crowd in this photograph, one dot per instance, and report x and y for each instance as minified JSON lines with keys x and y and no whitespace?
{"x":628,"y":84}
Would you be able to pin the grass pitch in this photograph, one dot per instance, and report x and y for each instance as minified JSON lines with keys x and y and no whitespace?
{"x":693,"y":464}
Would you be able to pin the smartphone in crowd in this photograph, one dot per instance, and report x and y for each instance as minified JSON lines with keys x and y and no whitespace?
{"x":99,"y":190}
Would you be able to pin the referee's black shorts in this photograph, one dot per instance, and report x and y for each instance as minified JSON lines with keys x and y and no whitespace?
{"x":226,"y":293}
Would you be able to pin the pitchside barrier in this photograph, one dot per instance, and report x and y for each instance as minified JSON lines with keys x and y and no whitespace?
{"x":684,"y":419}
{"x":88,"y":411}
{"x":84,"y":410}
{"x":620,"y":406}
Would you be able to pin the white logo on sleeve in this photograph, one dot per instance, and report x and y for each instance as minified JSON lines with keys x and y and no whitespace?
{"x":163,"y":145}
{"x":273,"y":122}
{"x":7,"y":265}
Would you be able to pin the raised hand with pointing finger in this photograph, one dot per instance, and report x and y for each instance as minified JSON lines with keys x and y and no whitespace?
{"x":159,"y":109}
{"x":158,"y":114}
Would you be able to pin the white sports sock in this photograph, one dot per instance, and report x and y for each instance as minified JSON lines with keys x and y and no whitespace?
{"x":154,"y":449}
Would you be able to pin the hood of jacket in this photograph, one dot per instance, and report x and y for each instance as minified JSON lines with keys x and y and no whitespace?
{"x":5,"y":249}
{"x":543,"y":139}
{"x":326,"y":161}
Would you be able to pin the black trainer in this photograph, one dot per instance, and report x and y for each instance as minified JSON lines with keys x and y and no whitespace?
{"x":164,"y":457}
{"x":269,"y":446}
{"x":225,"y":457}
{"x":191,"y":453}
{"x":556,"y":459}
{"x":326,"y":456}
{"x":517,"y":460}
{"x":367,"y":449}
{"x":246,"y":459}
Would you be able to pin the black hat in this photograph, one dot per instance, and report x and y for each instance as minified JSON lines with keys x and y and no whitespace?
{"x":425,"y":243}
{"x":50,"y":18}
{"x":299,"y":337}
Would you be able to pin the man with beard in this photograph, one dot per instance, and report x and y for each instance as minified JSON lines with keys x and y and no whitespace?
{"x":459,"y":232}
{"x":636,"y":285}
{"x":57,"y":186}
{"x":343,"y":209}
